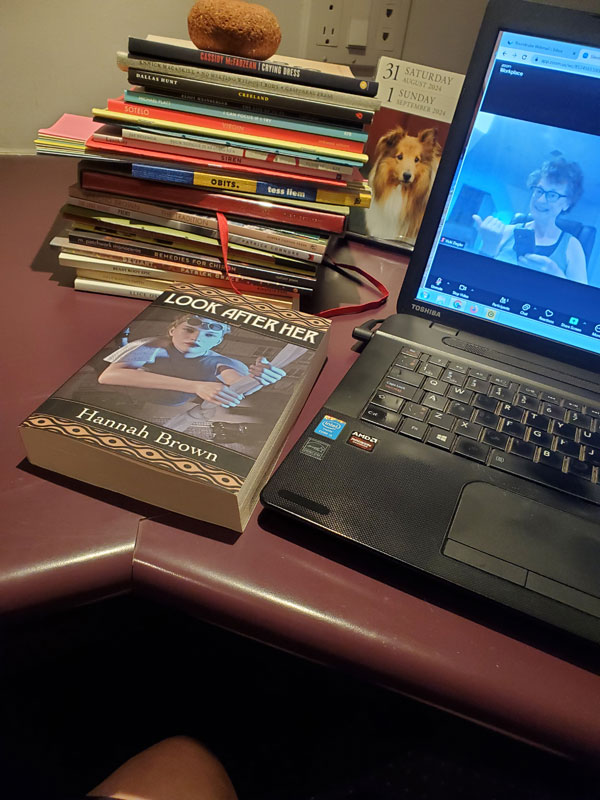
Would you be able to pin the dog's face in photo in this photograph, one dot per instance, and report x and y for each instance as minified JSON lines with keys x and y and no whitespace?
{"x":401,"y":159}
{"x":404,"y":167}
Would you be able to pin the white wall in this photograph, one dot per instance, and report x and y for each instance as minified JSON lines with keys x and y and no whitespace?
{"x":442,"y":34}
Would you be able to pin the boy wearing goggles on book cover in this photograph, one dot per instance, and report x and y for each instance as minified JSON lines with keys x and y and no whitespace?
{"x":183,"y":366}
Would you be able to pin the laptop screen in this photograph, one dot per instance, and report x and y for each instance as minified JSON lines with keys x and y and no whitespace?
{"x":518,"y":243}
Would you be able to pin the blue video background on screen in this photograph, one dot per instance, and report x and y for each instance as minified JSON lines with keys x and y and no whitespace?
{"x":510,"y":139}
{"x":518,"y":242}
{"x":503,"y":153}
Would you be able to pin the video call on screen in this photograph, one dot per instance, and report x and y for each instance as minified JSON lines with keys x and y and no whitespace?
{"x":518,"y":241}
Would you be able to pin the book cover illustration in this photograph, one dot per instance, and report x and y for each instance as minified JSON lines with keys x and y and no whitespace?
{"x":406,"y":140}
{"x":195,"y":385}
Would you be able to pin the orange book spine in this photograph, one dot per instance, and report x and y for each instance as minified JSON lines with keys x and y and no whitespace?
{"x":225,"y":126}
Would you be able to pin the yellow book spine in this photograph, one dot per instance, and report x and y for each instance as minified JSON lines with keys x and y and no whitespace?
{"x":357,"y":199}
{"x":250,"y":186}
{"x":217,"y":182}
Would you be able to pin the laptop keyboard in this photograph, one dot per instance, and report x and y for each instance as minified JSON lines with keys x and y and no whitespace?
{"x":523,"y":429}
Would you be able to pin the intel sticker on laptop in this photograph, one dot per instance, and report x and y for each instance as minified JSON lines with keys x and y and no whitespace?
{"x":330,"y":427}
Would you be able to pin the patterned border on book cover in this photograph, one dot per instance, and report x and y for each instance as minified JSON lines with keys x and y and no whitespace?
{"x":228,"y":298}
{"x":150,"y":456}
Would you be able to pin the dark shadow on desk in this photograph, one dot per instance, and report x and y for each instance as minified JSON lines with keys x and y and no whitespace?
{"x":142,"y":510}
{"x":197,"y":527}
{"x":455,"y":599}
{"x":334,"y":288}
{"x":46,"y":258}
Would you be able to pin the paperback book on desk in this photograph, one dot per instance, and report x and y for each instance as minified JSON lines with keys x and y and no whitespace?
{"x":152,"y":416}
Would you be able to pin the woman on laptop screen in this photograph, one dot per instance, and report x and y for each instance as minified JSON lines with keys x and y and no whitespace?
{"x":541,"y":243}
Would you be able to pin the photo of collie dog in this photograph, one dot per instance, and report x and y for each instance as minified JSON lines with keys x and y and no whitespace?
{"x":404,"y":168}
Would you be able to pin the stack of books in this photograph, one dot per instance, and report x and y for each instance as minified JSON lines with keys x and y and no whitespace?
{"x":67,"y":137}
{"x":218,"y":170}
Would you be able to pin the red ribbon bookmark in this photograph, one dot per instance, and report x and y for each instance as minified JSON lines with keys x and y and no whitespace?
{"x":329,"y":312}
{"x":356,"y":309}
{"x":224,"y":239}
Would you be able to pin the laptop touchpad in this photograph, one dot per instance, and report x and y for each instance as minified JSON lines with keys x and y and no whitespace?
{"x":526,"y":542}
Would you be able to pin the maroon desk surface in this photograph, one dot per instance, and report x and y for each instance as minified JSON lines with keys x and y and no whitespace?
{"x":58,"y":544}
{"x":64,"y":542}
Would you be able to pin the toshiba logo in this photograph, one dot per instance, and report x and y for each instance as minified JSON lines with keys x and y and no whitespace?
{"x":424,"y":310}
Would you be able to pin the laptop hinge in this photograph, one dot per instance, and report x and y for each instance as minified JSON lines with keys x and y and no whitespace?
{"x":444,"y":329}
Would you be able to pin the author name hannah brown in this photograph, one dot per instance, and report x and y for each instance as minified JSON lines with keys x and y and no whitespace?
{"x":164,"y":438}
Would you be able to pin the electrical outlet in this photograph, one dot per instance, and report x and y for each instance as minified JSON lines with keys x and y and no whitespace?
{"x":354,"y":32}
{"x":389,"y":11}
{"x":387,"y":30}
{"x":386,"y":41}
{"x":328,"y":21}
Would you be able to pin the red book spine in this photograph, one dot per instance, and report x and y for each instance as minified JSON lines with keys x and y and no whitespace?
{"x":299,"y":217}
{"x":244,"y":128}
{"x":215,"y":167}
{"x":251,"y":163}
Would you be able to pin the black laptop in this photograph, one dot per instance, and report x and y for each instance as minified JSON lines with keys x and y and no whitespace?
{"x":465,"y":440}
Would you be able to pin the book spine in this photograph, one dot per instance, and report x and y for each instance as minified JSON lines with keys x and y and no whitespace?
{"x":131,"y":149}
{"x":133,"y":248}
{"x":94,"y":253}
{"x":264,"y":188}
{"x":253,"y":82}
{"x":267,"y":151}
{"x":149,"y":259}
{"x":264,"y":98}
{"x":122,"y":167}
{"x":115,"y":289}
{"x":139,"y":265}
{"x":258,"y":244}
{"x":173,"y":240}
{"x":227,"y":204}
{"x":247,"y":66}
{"x":215,"y":126}
{"x":243,"y":117}
{"x":293,"y":149}
{"x":107,"y":270}
{"x":131,"y":208}
{"x":240,"y":155}
{"x":215,"y":278}
{"x":139,"y":293}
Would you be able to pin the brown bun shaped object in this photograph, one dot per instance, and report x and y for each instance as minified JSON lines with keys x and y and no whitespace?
{"x":234,"y":27}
